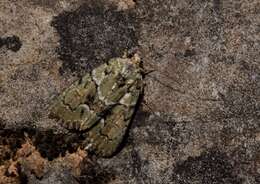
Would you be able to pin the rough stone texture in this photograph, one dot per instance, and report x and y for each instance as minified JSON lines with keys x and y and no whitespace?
{"x":199,"y":118}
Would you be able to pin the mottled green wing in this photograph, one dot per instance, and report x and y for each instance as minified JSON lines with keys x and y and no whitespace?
{"x":108,"y":134}
{"x":101,"y":105}
{"x":72,"y":107}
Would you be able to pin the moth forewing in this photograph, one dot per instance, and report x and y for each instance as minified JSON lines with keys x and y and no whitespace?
{"x":101,"y":104}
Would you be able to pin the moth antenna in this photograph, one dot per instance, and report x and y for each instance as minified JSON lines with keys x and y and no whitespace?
{"x":175,"y":89}
{"x":168,"y":86}
{"x":166,"y":74}
{"x":150,"y":109}
{"x":147,"y":72}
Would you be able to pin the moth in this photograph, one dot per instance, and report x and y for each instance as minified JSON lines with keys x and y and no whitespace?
{"x":101,"y":104}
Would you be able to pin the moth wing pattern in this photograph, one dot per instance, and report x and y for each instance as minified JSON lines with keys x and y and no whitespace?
{"x":101,"y":104}
{"x":105,"y":138}
{"x":72,"y":106}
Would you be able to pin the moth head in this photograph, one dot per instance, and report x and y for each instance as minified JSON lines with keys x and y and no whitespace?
{"x":136,"y":60}
{"x":133,"y":58}
{"x":131,"y":67}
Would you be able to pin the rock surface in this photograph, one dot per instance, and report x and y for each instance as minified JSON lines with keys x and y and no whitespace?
{"x":198,"y":121}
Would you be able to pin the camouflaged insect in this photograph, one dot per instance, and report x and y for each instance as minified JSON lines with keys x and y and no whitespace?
{"x":101,"y":104}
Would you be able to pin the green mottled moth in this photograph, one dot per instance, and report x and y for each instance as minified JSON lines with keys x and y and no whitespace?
{"x":101,"y":104}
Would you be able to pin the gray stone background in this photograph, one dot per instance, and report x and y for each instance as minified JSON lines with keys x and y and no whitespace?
{"x":198,"y":121}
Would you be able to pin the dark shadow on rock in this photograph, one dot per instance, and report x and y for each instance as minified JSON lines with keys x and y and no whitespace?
{"x":94,"y":174}
{"x":51,"y":145}
{"x":92,"y":34}
{"x":12,"y":43}
{"x":212,"y":166}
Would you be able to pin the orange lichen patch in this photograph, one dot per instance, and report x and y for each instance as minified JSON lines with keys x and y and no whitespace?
{"x":29,"y":158}
{"x":12,"y":170}
{"x":35,"y":163}
{"x":4,"y":178}
{"x":25,"y":150}
{"x":74,"y":161}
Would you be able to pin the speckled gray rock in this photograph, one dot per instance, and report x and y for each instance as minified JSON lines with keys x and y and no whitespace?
{"x":200,"y":116}
{"x":57,"y":176}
